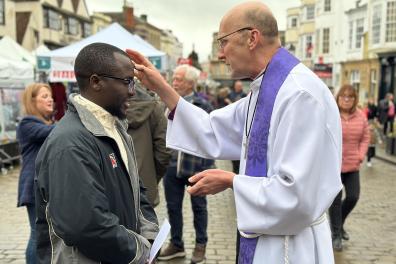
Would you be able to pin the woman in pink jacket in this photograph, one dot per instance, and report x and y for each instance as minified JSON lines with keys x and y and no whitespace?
{"x":355,"y":141}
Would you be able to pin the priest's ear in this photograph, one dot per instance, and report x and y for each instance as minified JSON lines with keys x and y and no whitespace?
{"x":254,"y":38}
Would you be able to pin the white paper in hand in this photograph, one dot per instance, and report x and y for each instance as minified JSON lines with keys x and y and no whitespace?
{"x":160,"y":239}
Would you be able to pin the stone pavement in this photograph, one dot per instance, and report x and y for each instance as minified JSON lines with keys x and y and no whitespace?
{"x":372,"y":224}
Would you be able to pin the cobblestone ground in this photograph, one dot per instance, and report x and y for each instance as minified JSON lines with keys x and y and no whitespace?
{"x":372,"y":224}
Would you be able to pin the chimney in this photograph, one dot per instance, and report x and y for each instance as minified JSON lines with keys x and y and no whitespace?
{"x":129,"y":20}
{"x":143,"y":17}
{"x":358,"y":3}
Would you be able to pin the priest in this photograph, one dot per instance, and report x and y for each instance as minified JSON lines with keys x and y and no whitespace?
{"x":286,"y":133}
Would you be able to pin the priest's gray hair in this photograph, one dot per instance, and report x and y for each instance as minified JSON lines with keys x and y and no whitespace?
{"x":264,"y":21}
{"x":191,"y":73}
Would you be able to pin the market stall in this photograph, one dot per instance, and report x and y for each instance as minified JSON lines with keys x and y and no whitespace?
{"x":59,"y":63}
{"x":14,"y":76}
{"x":16,"y":71}
{"x":11,"y":50}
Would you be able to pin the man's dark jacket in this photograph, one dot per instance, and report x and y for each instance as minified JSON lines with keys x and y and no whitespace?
{"x":89,"y":208}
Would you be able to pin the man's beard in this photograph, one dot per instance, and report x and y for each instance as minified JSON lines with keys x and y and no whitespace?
{"x":117,"y":112}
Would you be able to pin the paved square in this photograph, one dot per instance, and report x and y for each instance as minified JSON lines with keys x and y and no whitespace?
{"x":372,"y":225}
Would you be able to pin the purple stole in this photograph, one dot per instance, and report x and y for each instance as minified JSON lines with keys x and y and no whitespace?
{"x":256,"y":164}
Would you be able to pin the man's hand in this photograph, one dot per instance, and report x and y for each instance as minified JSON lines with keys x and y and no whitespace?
{"x":210,"y":182}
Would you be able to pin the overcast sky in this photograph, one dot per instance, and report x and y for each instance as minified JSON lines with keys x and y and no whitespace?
{"x":192,"y":21}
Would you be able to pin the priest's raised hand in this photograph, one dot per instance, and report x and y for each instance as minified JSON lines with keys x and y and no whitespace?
{"x":152,"y":79}
{"x":210,"y":182}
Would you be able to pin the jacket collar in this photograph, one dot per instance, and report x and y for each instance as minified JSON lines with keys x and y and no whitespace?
{"x":32,"y":118}
{"x":89,"y":120}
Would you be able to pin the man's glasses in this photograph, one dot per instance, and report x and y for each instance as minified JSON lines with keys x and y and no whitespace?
{"x":127,"y":81}
{"x":222,"y":41}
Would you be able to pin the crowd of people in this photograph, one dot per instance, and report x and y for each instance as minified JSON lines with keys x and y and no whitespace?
{"x":90,"y":181}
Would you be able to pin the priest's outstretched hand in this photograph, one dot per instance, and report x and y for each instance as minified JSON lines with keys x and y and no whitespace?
{"x":145,"y":71}
{"x":152,"y":79}
{"x":210,"y":182}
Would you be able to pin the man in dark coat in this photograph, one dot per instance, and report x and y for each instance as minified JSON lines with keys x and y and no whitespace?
{"x":90,"y":205}
{"x":147,"y":127}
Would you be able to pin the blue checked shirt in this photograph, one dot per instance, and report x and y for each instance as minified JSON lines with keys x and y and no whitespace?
{"x":186,"y":164}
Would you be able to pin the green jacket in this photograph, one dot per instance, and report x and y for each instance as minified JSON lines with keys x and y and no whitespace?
{"x":147,"y":127}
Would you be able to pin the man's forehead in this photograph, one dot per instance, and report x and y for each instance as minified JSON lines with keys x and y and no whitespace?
{"x":224,"y":25}
{"x":124,"y":63}
{"x":179,"y":72}
{"x":123,"y":58}
{"x":230,"y":23}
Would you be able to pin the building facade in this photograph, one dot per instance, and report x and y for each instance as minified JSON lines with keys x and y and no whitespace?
{"x":360,"y":69}
{"x":382,"y":42}
{"x":331,"y":39}
{"x":347,"y":42}
{"x":148,"y":31}
{"x":291,"y":33}
{"x":172,"y":47}
{"x":99,"y":22}
{"x":163,"y":40}
{"x":55,"y":23}
{"x":218,"y":70}
{"x":306,"y":32}
{"x":371,"y":58}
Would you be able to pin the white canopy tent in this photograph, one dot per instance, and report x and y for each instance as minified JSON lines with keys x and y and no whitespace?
{"x":15,"y":74}
{"x":60,"y":62}
{"x":16,"y":71}
{"x":42,"y":49}
{"x":11,"y":50}
{"x":16,"y":64}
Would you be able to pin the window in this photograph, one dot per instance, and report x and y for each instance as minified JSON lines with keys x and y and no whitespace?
{"x":294,"y":22}
{"x":87,"y":29}
{"x":46,"y":17}
{"x":327,"y":5}
{"x":310,"y":12}
{"x":301,"y":47}
{"x":350,"y":38}
{"x":2,"y":12}
{"x":308,"y":46}
{"x":359,"y":32}
{"x":72,"y":26}
{"x":391,"y":22}
{"x":65,"y":26}
{"x":36,"y":36}
{"x":326,"y":41}
{"x":355,"y":80}
{"x":376,"y":25}
{"x":373,"y":82}
{"x":52,"y":19}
